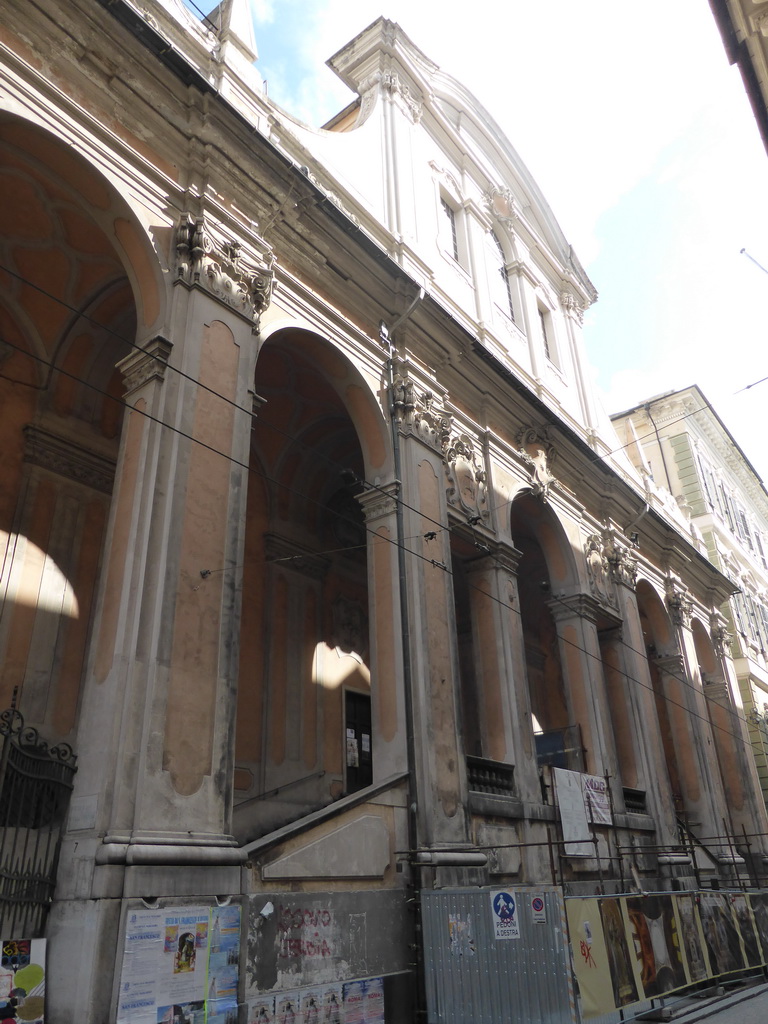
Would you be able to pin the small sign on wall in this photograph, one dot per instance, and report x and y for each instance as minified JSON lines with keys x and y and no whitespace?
{"x":506,"y":922}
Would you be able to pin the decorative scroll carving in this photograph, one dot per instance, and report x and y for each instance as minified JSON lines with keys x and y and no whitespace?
{"x":143,"y":365}
{"x":62,"y":456}
{"x":718,"y":632}
{"x":228,"y":269}
{"x":679,"y":603}
{"x":447,"y":179}
{"x":539,"y":453}
{"x":598,"y":568}
{"x":572,"y":307}
{"x":467,"y":480}
{"x":502,"y":205}
{"x":418,"y":414}
{"x":389,"y":81}
{"x":621,"y":564}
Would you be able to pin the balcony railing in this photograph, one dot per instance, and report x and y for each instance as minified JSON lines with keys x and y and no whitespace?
{"x":493,"y":777}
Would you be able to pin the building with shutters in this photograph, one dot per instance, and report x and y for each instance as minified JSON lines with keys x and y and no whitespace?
{"x":319,"y":555}
{"x":679,"y":443}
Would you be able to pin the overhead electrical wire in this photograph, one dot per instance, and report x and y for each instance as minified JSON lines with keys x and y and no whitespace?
{"x":429,"y":535}
{"x":366,"y":485}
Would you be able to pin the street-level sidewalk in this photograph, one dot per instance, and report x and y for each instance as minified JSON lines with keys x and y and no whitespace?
{"x":747,"y":1005}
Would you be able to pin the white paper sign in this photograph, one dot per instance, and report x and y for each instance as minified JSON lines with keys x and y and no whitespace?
{"x":573,"y":813}
{"x":538,"y":909}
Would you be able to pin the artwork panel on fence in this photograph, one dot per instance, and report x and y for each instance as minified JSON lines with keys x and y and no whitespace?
{"x":591,"y":963}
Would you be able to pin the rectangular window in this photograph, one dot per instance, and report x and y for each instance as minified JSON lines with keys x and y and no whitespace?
{"x":545,"y":334}
{"x":451,"y":234}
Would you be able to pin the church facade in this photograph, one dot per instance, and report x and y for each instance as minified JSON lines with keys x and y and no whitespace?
{"x":318,"y":551}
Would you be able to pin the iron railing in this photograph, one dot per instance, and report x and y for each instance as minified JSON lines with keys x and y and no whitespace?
{"x":35,"y":786}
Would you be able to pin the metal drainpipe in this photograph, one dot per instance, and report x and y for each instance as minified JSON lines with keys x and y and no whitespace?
{"x":387,"y":335}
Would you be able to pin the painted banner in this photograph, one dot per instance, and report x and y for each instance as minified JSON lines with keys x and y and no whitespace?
{"x":180,"y":966}
{"x":22,"y":980}
{"x":597,"y":799}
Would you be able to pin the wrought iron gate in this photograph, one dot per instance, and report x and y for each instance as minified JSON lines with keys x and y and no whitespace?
{"x":35,"y":786}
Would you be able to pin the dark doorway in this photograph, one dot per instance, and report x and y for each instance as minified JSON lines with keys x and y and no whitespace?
{"x":358,"y":757}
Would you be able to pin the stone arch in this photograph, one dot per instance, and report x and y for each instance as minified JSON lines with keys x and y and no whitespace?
{"x":545,"y":572}
{"x":317,"y":437}
{"x":78,"y":280}
{"x":668,"y":678}
{"x":723,"y":717}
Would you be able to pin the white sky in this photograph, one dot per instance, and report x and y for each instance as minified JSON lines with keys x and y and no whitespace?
{"x":641,"y":138}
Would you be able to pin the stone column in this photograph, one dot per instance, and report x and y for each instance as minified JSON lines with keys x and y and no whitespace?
{"x":576,"y":618}
{"x":440,"y":763}
{"x":703,"y":795}
{"x":498,"y":644}
{"x":384,"y":614}
{"x":737,"y":765}
{"x":632,"y":701}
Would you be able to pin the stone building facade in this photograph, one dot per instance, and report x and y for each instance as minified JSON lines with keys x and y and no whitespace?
{"x":317,"y":548}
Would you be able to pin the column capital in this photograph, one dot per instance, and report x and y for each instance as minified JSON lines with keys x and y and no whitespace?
{"x":379,"y":502}
{"x":238,"y":273}
{"x":678,"y":601}
{"x":581,"y":606}
{"x":143,"y":365}
{"x":498,"y":556}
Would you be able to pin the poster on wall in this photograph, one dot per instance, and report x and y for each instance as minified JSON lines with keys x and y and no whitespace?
{"x":262,"y":1011}
{"x":180,"y":966}
{"x":22,"y":980}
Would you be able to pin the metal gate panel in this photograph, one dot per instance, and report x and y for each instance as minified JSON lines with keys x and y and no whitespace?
{"x":474,"y":978}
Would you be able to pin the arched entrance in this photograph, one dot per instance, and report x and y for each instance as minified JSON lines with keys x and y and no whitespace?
{"x":68,"y":315}
{"x":70,"y":304}
{"x":307,"y":729}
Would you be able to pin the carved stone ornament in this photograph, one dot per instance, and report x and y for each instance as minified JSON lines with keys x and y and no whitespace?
{"x":419,"y":414}
{"x":539,"y":453}
{"x":502,"y":205}
{"x":378,"y":502}
{"x":146,"y":364}
{"x":389,"y":81}
{"x":572,"y":307}
{"x":679,"y":603}
{"x":62,"y":456}
{"x":228,"y":269}
{"x":718,"y":632}
{"x":622,"y":565}
{"x":599,"y":569}
{"x":467,"y":480}
{"x":447,"y":179}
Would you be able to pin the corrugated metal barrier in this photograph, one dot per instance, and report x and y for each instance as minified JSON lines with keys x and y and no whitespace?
{"x":494,"y":956}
